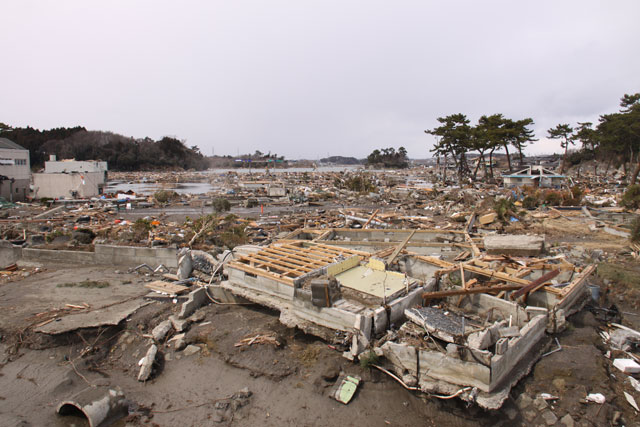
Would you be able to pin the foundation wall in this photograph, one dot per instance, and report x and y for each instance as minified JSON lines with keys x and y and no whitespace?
{"x":103,"y":254}
{"x":530,"y":335}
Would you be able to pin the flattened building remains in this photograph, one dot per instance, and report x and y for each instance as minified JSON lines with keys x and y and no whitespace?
{"x":443,"y":311}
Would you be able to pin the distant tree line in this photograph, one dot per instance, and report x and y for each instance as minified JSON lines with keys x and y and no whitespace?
{"x":121,"y":152}
{"x":389,"y":158}
{"x":456,"y":138}
{"x":615,"y":139}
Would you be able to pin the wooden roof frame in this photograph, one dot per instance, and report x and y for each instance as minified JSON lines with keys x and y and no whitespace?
{"x":287,"y":261}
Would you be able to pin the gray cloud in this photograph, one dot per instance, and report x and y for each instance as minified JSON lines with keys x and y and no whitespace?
{"x":309,"y":78}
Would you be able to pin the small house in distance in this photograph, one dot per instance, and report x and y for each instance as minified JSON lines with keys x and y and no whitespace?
{"x":15,"y":175}
{"x":536,"y":176}
{"x":70,"y":179}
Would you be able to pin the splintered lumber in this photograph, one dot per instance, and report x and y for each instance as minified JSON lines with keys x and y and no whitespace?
{"x":578,"y":280}
{"x":400,"y":247}
{"x":373,"y":215}
{"x":476,"y":251}
{"x":535,"y":285}
{"x":476,"y":290}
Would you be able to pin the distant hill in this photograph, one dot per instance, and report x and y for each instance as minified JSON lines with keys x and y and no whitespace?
{"x":340,"y":160}
{"x":120,"y":152}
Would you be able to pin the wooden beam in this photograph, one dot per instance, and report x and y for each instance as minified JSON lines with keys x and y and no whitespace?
{"x":373,"y":215}
{"x":535,"y":285}
{"x":476,"y":290}
{"x":401,"y":246}
{"x":581,"y":277}
{"x":474,"y":247}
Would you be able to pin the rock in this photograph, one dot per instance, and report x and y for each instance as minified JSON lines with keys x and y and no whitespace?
{"x":530,"y":414}
{"x":198,"y":316}
{"x":524,"y":401}
{"x":180,"y":343}
{"x":540,"y":403}
{"x":179,"y":325}
{"x":567,"y":421}
{"x":146,"y":364}
{"x":161,"y":331}
{"x":191,"y":350}
{"x":549,"y":417}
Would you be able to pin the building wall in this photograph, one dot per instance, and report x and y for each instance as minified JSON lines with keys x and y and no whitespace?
{"x":63,"y":185}
{"x":16,"y":191}
{"x":15,"y":164}
{"x":74,"y":166}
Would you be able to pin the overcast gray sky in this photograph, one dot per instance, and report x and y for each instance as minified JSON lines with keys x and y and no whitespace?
{"x":311,"y":78}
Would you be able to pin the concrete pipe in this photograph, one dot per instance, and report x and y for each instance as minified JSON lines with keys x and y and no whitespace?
{"x":101,"y":406}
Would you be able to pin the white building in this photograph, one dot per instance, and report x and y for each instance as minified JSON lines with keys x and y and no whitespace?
{"x":15,"y":172}
{"x":66,"y":166}
{"x":70,"y":179}
{"x":536,"y":176}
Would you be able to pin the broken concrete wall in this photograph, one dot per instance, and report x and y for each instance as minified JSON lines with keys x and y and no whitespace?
{"x":129,"y":255}
{"x":9,"y":254}
{"x":484,"y":303}
{"x":104,"y":254}
{"x":435,"y":365}
{"x":530,"y":335}
{"x":514,"y":245}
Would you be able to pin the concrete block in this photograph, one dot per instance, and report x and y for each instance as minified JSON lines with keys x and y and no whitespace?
{"x":628,"y":366}
{"x":161,"y":331}
{"x":515,"y":245}
{"x":146,"y":364}
{"x":179,"y":325}
{"x":508,"y":332}
{"x":502,"y":346}
{"x":191,"y":350}
{"x":197,"y":299}
{"x":380,"y":320}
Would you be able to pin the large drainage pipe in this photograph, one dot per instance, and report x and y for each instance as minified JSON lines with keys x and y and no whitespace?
{"x":101,"y":406}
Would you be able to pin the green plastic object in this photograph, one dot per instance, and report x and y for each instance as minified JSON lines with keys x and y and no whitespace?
{"x":347,"y":389}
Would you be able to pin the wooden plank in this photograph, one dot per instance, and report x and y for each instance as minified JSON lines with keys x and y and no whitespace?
{"x":373,"y":215}
{"x":294,"y":257}
{"x":476,"y":290}
{"x":278,"y":261}
{"x":166,"y":287}
{"x":259,"y":272}
{"x":535,"y":285}
{"x":578,"y":280}
{"x":304,"y":251}
{"x":398,"y":248}
{"x":474,"y":247}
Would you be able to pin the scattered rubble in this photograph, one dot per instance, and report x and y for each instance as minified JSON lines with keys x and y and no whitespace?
{"x":449,"y":292}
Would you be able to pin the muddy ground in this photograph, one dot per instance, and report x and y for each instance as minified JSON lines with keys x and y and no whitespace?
{"x":289,"y":381}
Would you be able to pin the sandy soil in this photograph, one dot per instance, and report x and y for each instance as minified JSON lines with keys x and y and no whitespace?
{"x":289,"y":383}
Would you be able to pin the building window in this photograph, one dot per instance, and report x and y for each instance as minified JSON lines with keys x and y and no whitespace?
{"x":20,"y":162}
